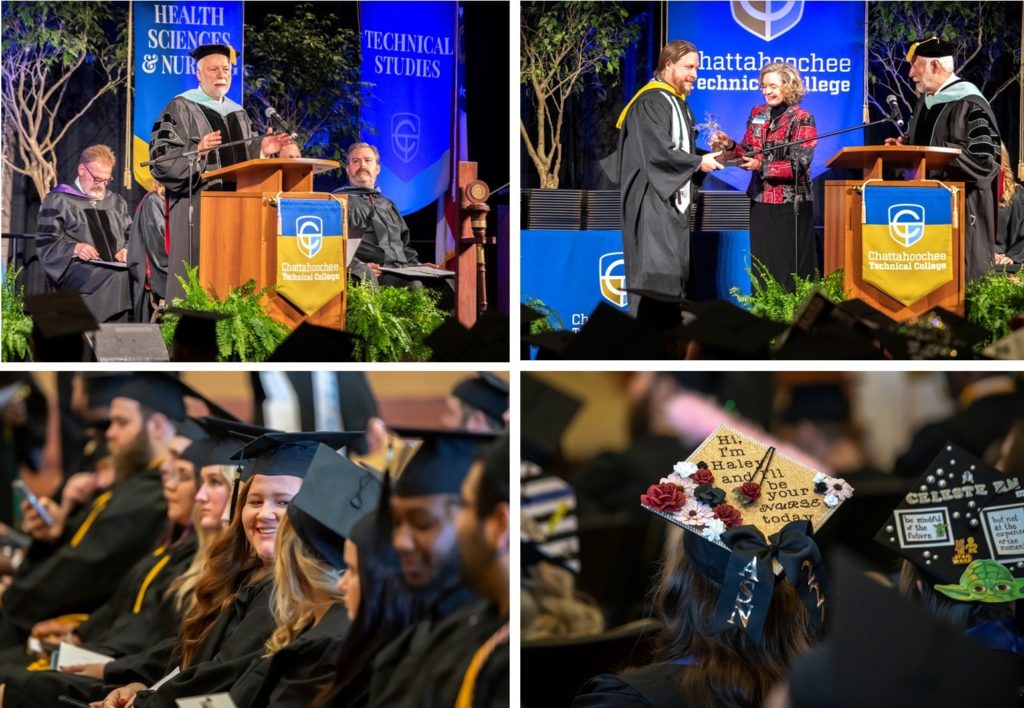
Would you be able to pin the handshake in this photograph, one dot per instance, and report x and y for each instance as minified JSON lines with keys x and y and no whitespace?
{"x":725,"y":146}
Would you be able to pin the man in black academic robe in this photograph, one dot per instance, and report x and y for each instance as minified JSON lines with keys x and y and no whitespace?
{"x":953,"y":113}
{"x":201,"y":119}
{"x":376,"y":220}
{"x":147,"y":255}
{"x":82,"y":238}
{"x":84,"y":564}
{"x":657,"y":162}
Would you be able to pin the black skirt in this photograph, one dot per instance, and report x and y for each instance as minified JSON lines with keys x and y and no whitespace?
{"x":782,"y":249}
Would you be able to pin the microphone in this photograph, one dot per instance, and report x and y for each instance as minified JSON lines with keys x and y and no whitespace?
{"x":275,"y":117}
{"x":894,"y":110}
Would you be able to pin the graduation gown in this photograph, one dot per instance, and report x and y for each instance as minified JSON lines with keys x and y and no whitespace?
{"x":68,"y":217}
{"x":139,"y":613}
{"x":655,"y":686}
{"x":86,"y":564}
{"x":398,"y":668}
{"x":657,"y":161}
{"x":181,"y":125}
{"x":968,"y":124}
{"x":376,"y":220}
{"x":294,"y":676}
{"x":1011,"y":228}
{"x":147,"y":254}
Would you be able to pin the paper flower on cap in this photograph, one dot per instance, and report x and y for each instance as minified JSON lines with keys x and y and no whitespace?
{"x":713,"y":531}
{"x":694,"y":513}
{"x":684,"y":469}
{"x":836,"y":490}
{"x":663,"y":497}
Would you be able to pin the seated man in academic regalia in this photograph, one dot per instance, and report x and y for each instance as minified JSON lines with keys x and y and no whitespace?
{"x":83,"y":235}
{"x":375,"y":219}
{"x":201,"y":119}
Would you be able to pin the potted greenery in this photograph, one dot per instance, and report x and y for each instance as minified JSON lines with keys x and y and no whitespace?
{"x":769,"y":299}
{"x":390,"y":324}
{"x":248,"y":333}
{"x":15,"y":325}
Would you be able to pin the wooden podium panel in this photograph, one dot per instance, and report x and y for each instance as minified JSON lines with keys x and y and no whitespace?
{"x":239,"y":242}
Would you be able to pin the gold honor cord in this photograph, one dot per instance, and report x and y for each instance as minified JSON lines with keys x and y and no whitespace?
{"x":465,"y":698}
{"x":97,"y":507}
{"x":649,"y":86}
{"x":153,"y":572}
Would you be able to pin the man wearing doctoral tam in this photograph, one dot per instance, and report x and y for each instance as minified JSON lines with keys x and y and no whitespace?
{"x":201,"y":119}
{"x":953,"y":113}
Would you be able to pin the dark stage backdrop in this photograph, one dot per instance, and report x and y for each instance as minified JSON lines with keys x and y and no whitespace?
{"x":486,"y":42}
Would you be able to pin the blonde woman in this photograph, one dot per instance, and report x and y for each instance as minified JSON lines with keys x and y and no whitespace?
{"x":1010,"y":236}
{"x":781,"y":232}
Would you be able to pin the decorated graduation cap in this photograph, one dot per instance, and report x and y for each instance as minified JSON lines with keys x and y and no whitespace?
{"x":486,"y":393}
{"x":962,"y":526}
{"x":224,"y":439}
{"x":335,"y":494}
{"x":750,"y":512}
{"x":441,"y":463}
{"x":930,"y":48}
{"x":205,"y":50}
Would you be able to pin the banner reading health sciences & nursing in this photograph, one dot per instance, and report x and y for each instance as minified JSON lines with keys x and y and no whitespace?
{"x":824,"y":40}
{"x":409,"y":55}
{"x":907,"y":240}
{"x":163,"y":35}
{"x":310,"y":251}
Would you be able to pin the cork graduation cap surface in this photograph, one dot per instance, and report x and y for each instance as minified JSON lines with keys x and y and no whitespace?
{"x":962,"y":526}
{"x":751,"y":513}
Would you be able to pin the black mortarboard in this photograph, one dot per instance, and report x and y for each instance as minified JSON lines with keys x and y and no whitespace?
{"x":729,"y":332}
{"x":195,"y":335}
{"x":59,"y":320}
{"x":334,"y":495}
{"x":309,"y":342}
{"x":225,"y":438}
{"x":441,"y":463}
{"x":550,"y":345}
{"x":886,"y":652}
{"x":546,"y":413}
{"x":527,"y":316}
{"x":486,"y":341}
{"x":164,"y":392}
{"x":205,"y":50}
{"x":962,"y":526}
{"x":930,"y":48}
{"x":829,"y":340}
{"x":289,"y":454}
{"x":102,"y":386}
{"x":486,"y":393}
{"x":937,"y":334}
{"x":612,"y":334}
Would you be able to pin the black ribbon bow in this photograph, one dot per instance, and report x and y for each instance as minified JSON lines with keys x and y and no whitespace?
{"x":749,"y":579}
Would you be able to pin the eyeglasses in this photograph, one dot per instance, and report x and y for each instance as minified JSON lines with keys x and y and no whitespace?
{"x":96,"y":179}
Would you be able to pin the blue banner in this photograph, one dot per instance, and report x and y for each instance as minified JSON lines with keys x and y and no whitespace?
{"x":163,"y":34}
{"x":408,"y":62}
{"x":310,"y":218}
{"x":824,"y":40}
{"x":907,"y":205}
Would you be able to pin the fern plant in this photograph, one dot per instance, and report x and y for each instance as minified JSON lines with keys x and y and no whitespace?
{"x":770,"y":299}
{"x":247,"y":334}
{"x":15,"y":325}
{"x":550,"y":322}
{"x":993,"y":301}
{"x":389,"y":323}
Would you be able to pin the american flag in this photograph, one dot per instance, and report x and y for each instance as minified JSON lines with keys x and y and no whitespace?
{"x":444,"y":242}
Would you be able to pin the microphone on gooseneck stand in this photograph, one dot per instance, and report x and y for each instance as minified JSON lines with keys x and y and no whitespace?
{"x":275,"y":118}
{"x":894,"y":110}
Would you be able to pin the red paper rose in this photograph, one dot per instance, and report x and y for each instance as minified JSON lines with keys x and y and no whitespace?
{"x":750,"y":492}
{"x":703,"y":476}
{"x":663,"y":497}
{"x":728,"y":515}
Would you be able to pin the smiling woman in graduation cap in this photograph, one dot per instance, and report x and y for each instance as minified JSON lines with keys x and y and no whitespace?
{"x":730,"y":627}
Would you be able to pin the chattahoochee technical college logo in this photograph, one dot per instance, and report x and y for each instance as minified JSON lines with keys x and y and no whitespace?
{"x":767,"y":19}
{"x":405,"y":135}
{"x":309,"y":232}
{"x":612,"y":273}
{"x":906,"y":223}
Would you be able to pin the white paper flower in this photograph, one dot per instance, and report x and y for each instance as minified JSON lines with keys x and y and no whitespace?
{"x":831,"y":500}
{"x":713,"y":530}
{"x":839,"y":489}
{"x":819,"y":477}
{"x":684,"y":469}
{"x":694,"y":513}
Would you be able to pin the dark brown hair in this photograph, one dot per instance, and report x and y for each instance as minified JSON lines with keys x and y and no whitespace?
{"x":674,"y":51}
{"x":232,"y":564}
{"x":729,"y":670}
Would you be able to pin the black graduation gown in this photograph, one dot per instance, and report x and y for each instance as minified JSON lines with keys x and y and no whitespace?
{"x":655,"y":686}
{"x":294,"y":676}
{"x":82,"y":572}
{"x":1011,"y":228}
{"x":376,"y":220}
{"x":967,"y":124}
{"x":398,"y":668}
{"x":146,"y":247}
{"x":116,"y":629}
{"x":68,"y":217}
{"x":180,"y":127}
{"x":655,"y":234}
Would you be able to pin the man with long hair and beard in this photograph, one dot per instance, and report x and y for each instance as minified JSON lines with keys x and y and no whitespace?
{"x":84,"y":557}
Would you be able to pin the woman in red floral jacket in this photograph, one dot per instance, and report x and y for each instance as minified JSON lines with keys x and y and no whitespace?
{"x":781,"y":214}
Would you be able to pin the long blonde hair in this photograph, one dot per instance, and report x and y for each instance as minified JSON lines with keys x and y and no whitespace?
{"x":303,"y":583}
{"x":1010,"y":185}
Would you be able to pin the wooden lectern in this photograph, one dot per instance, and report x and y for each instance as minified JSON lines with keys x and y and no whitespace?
{"x":238,"y":231}
{"x":843,"y":237}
